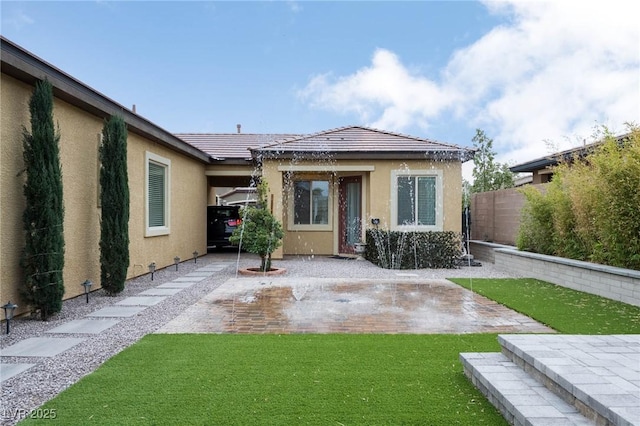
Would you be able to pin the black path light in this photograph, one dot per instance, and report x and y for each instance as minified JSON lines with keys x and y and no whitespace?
{"x":195,"y":256}
{"x":176,"y":260}
{"x":87,"y":287}
{"x":152,"y":269}
{"x":9,"y":309}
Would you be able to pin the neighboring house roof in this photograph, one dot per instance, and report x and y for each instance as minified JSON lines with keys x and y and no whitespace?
{"x":234,"y":146}
{"x":25,"y":66}
{"x":358,"y":142}
{"x":566,"y":155}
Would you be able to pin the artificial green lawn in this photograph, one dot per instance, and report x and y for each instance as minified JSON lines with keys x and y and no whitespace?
{"x":335,"y":379}
{"x":568,"y":311}
{"x":196,"y":379}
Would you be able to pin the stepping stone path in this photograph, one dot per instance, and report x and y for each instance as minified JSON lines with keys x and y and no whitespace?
{"x":39,"y":348}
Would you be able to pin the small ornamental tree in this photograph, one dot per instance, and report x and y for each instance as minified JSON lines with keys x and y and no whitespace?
{"x":260,"y":232}
{"x":114,"y":196}
{"x":43,"y":255}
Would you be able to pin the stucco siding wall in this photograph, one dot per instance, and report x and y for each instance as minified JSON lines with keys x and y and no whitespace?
{"x":376,"y":202}
{"x":14,"y":104}
{"x":79,"y":133}
{"x":79,"y":141}
{"x":380,"y":190}
{"x":78,"y":155}
{"x":188,"y":212}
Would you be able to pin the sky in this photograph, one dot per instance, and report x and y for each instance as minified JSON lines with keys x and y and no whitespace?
{"x":535,"y":76}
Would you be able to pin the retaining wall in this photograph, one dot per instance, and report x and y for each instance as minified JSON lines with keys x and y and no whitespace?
{"x":606,"y":281}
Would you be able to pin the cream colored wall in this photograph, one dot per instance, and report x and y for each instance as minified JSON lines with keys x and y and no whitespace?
{"x":79,"y":158}
{"x":188,"y":217}
{"x":275,"y":197}
{"x":376,"y":190}
{"x":452,"y":187}
{"x":14,"y":104}
{"x":79,"y":133}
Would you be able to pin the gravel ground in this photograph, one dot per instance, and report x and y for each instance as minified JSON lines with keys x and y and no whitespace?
{"x":50,"y":376}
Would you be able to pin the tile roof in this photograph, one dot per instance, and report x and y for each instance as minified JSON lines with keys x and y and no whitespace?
{"x":345,"y":141}
{"x":231,"y":145}
{"x":363,"y":140}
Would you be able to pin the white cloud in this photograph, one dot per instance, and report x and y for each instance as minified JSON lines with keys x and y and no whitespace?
{"x":18,"y":19}
{"x":385,"y":95}
{"x":553,"y":71}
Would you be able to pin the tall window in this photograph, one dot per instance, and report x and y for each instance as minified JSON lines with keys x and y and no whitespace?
{"x":157,"y":194}
{"x":311,"y":202}
{"x":417,"y":200}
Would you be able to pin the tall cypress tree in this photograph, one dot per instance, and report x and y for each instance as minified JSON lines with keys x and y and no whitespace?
{"x":114,"y":228}
{"x":43,"y":256}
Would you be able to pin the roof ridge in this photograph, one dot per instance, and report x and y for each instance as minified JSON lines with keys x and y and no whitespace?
{"x":366,"y":128}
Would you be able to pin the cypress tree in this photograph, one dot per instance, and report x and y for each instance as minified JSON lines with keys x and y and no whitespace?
{"x":114,"y":227}
{"x":43,"y":255}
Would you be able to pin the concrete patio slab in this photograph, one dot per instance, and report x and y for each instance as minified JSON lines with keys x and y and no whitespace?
{"x":85,"y":326}
{"x":41,"y":346}
{"x":186,"y":279}
{"x":174,"y":284}
{"x":7,"y":371}
{"x":199,"y":274}
{"x":141,"y":301}
{"x":217,"y":267}
{"x":117,"y":311}
{"x":161,"y":291}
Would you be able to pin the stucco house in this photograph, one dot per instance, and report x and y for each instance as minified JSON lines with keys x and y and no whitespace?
{"x":325,"y":188}
{"x":157,"y":232}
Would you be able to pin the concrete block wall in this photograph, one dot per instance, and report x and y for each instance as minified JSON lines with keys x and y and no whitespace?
{"x":484,"y":251}
{"x":606,"y":281}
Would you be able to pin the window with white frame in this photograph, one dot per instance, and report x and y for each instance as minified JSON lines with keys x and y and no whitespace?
{"x":158,"y":178}
{"x":311,"y":205}
{"x":417,"y":200}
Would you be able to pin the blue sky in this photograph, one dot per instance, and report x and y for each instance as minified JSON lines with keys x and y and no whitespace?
{"x":535,"y":76}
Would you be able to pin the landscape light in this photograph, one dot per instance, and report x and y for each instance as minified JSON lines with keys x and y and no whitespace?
{"x":9,"y":308}
{"x":152,"y":269}
{"x":87,"y":287}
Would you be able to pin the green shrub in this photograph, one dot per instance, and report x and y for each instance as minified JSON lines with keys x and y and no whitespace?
{"x":591,"y":209}
{"x":114,"y":195}
{"x":536,"y":226}
{"x":260,"y":233}
{"x":43,"y":218}
{"x":412,"y":250}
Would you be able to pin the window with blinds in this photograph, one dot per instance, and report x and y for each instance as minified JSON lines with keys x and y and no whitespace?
{"x":157,"y":178}
{"x":417,"y":200}
{"x":157,"y":194}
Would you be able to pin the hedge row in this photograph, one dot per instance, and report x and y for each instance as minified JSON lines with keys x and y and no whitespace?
{"x":591,"y":209}
{"x":412,"y":250}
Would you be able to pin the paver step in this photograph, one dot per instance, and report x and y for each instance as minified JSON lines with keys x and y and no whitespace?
{"x":599,"y":375}
{"x":522,"y":400}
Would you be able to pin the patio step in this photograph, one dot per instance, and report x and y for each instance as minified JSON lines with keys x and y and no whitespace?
{"x":561,"y":379}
